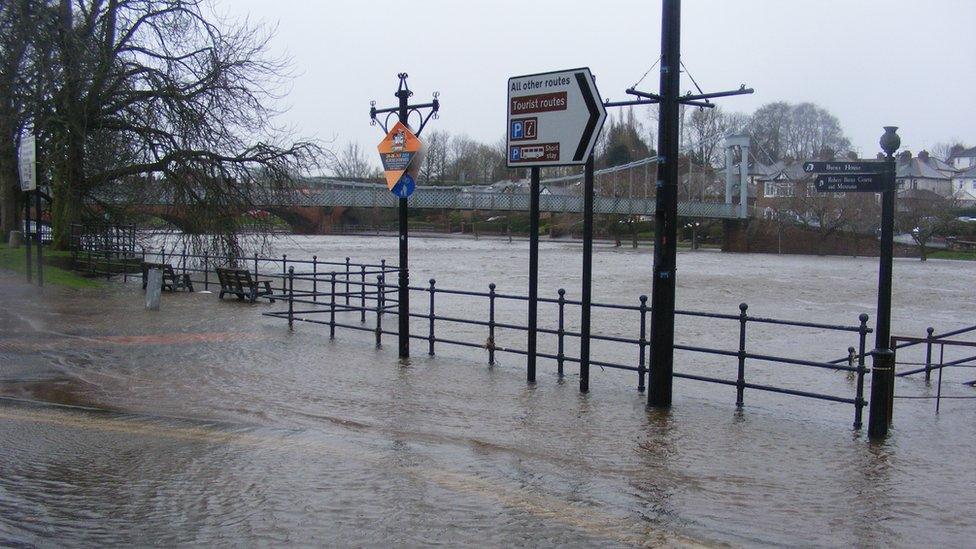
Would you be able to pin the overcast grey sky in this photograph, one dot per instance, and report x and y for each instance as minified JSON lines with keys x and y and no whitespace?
{"x":909,"y":63}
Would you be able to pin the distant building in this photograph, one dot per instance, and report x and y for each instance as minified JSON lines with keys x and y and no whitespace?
{"x":964,"y":188}
{"x":920,"y":174}
{"x":963,"y":160}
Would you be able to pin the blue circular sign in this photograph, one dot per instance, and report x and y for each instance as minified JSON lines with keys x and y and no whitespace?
{"x":404,"y":187}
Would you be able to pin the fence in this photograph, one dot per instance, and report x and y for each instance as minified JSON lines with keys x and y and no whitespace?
{"x":323,"y":297}
{"x":929,"y":365}
{"x":99,"y":258}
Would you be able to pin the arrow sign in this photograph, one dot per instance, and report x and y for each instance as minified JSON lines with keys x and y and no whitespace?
{"x":554,"y":118}
{"x":844,"y":183}
{"x":854,"y":167}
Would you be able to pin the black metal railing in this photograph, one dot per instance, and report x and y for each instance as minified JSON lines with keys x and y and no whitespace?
{"x":931,"y":364}
{"x":324,"y":297}
{"x":94,"y":258}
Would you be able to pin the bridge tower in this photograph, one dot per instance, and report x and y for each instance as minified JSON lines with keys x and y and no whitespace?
{"x":742,"y":142}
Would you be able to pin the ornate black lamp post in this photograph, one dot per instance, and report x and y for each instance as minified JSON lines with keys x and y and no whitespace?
{"x":883,"y":366}
{"x":403,"y":111}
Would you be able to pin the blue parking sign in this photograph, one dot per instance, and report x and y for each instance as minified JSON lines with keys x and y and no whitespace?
{"x":518,"y":129}
{"x":515,"y":153}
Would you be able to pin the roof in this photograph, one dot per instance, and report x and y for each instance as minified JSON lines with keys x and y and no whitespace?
{"x":968,"y":174}
{"x":920,"y":194}
{"x":940,"y":164}
{"x":967,"y":153}
{"x":915,"y":168}
{"x":965,"y":195}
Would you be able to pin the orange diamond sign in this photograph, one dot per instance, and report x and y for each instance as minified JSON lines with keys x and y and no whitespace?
{"x":399,"y":151}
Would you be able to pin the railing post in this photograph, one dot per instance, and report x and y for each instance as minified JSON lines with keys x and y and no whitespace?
{"x":430,"y":337}
{"x":642,"y":346}
{"x":861,"y":370}
{"x":332,"y":306}
{"x":379,"y":309}
{"x":162,"y":254}
{"x":347,"y":282}
{"x":362,"y":293}
{"x":490,"y":344}
{"x":560,"y":333}
{"x":255,"y":265}
{"x":315,"y":278}
{"x":928,"y":354}
{"x":284,"y":264}
{"x":291,"y":298}
{"x":206,"y":270}
{"x":740,"y":382}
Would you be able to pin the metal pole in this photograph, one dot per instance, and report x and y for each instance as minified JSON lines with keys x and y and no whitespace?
{"x":585,"y":300}
{"x":27,"y":236}
{"x":882,"y":370}
{"x":533,"y":273}
{"x":403,"y":307}
{"x":560,"y":333}
{"x":928,"y":353}
{"x":666,"y":212}
{"x":740,"y":381}
{"x":859,"y":395}
{"x":430,"y":333}
{"x":491,"y":324}
{"x":37,"y":235}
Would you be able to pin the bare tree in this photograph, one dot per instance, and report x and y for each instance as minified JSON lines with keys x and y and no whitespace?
{"x":925,"y":215}
{"x":19,"y":59}
{"x":435,"y":159}
{"x":798,"y":132}
{"x":149,"y":96}
{"x":352,"y":163}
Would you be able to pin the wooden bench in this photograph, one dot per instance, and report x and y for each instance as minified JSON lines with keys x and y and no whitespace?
{"x":240,"y":283}
{"x":171,"y":280}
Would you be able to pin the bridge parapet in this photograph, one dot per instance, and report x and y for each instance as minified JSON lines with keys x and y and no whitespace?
{"x":454,"y":199}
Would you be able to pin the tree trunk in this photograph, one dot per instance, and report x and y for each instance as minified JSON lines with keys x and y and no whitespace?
{"x":9,"y":192}
{"x":67,"y":195}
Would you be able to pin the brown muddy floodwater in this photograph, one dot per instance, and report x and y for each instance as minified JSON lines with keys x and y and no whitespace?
{"x":206,"y":423}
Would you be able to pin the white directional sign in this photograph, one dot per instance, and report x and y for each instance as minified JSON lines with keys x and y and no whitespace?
{"x":27,"y":162}
{"x":554,"y":118}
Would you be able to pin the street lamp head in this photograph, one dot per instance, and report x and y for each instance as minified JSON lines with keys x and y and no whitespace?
{"x":890,"y":140}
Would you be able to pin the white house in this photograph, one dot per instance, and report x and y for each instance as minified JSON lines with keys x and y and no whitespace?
{"x":916,"y":174}
{"x":964,"y":187}
{"x":964,"y":160}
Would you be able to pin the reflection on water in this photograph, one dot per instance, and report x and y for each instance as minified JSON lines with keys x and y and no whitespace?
{"x":205,"y":423}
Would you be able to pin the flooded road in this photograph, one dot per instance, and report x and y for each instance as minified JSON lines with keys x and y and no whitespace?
{"x":206,"y":423}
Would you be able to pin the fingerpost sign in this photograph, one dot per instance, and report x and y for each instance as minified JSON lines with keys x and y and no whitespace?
{"x":554,"y":118}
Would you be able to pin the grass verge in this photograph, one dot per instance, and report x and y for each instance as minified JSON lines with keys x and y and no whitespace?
{"x":15,"y":260}
{"x":953,"y":254}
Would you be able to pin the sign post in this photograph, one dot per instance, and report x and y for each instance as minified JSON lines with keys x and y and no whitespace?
{"x":883,"y":357}
{"x":554,"y":119}
{"x":873,"y":177}
{"x":27,"y":168}
{"x":407,"y":147}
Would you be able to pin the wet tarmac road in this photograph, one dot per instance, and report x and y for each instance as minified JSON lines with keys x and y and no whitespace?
{"x":207,"y":424}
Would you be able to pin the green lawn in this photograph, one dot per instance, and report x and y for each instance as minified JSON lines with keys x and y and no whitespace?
{"x":54,"y":273}
{"x":953,"y":254}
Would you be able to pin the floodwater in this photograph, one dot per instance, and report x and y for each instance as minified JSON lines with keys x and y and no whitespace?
{"x":206,"y":423}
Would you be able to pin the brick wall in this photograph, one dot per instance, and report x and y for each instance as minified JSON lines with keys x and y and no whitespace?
{"x":764,"y":236}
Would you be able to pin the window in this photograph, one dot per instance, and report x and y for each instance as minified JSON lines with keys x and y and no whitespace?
{"x":775,"y":189}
